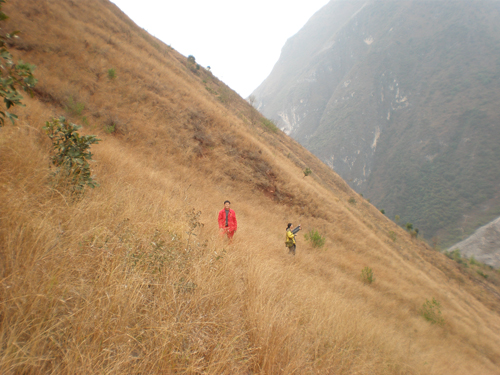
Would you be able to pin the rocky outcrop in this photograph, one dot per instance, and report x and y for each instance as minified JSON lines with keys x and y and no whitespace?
{"x":483,"y":245}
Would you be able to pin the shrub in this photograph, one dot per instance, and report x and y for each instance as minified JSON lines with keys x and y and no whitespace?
{"x":473,"y":261}
{"x":269,"y":125}
{"x":191,"y":59}
{"x":74,"y":107}
{"x":307,"y":172}
{"x":456,"y":256}
{"x":110,"y":129}
{"x":396,"y":219}
{"x":392,"y":236}
{"x":367,"y":275}
{"x":479,"y":272}
{"x":352,"y":200}
{"x":71,"y":153}
{"x":409,"y":227}
{"x":382,"y":211}
{"x":431,"y":311}
{"x":12,"y":75}
{"x":315,"y":238}
{"x":112,"y":73}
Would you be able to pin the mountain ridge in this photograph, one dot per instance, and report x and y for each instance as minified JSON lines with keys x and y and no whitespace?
{"x":386,"y":103}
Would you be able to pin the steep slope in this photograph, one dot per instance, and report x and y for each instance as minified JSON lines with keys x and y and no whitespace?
{"x":399,"y":98}
{"x":131,"y":277}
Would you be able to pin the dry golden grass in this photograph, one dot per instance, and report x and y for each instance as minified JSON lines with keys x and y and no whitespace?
{"x":124,"y":280}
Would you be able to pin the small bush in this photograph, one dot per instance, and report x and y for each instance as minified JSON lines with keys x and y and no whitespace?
{"x":457,"y":257}
{"x":72,"y":153}
{"x":307,"y":172}
{"x":269,"y":125}
{"x":352,"y":200}
{"x":431,"y":311}
{"x":315,"y":238}
{"x":409,"y":227}
{"x":382,"y":211}
{"x":112,"y":73}
{"x":392,"y":236}
{"x":110,"y":129}
{"x":74,"y":107}
{"x":367,"y":275}
{"x":479,"y":272}
{"x":473,"y":261}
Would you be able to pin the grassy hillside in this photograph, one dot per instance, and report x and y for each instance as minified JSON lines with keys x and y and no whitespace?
{"x":132,"y":277}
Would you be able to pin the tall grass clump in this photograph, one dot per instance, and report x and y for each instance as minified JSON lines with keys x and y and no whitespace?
{"x":431,"y":311}
{"x":73,"y":107}
{"x":367,"y":275}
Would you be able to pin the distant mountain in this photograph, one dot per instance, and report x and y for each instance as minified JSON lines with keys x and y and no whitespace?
{"x":483,"y":245}
{"x":401,"y":99}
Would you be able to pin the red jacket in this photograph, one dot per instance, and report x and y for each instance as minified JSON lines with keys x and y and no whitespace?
{"x":231,"y":222}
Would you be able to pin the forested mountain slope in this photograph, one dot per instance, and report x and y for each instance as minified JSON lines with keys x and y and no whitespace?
{"x":132,"y":277}
{"x":401,"y":99}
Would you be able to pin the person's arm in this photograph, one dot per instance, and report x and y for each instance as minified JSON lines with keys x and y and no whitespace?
{"x":235,"y":222}
{"x":221,"y":219}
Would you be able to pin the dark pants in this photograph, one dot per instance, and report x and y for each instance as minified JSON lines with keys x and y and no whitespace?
{"x":291,"y":249}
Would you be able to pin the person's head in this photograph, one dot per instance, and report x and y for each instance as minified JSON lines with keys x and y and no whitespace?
{"x":227,"y":205}
{"x":289,"y":226}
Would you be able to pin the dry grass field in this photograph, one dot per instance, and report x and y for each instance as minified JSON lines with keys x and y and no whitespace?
{"x":132,"y":278}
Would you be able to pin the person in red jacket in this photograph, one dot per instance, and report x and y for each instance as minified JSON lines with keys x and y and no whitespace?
{"x":227,"y":221}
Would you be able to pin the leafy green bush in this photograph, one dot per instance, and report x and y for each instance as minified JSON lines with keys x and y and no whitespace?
{"x":112,"y":73}
{"x":367,"y":275}
{"x":431,"y":311}
{"x":352,"y":200}
{"x":71,"y":153}
{"x":307,"y":172}
{"x":315,"y":238}
{"x":12,"y":75}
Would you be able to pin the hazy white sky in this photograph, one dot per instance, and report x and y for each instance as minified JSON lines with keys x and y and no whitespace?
{"x":240,"y":40}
